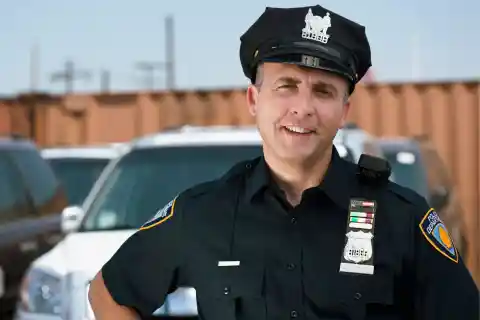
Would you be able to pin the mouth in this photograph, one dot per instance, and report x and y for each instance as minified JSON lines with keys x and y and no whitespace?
{"x":299,"y":130}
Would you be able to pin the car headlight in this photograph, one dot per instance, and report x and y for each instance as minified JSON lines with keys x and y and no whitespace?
{"x":41,"y":292}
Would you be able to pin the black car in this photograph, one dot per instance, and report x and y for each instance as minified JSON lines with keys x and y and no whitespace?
{"x":31,"y":200}
{"x":408,"y":167}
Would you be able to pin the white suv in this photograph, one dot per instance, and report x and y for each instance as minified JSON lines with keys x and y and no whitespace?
{"x":77,"y":168}
{"x":128,"y":193}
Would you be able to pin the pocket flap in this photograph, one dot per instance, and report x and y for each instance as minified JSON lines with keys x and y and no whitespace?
{"x":245,"y":280}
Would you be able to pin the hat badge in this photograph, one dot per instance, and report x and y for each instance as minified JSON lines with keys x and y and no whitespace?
{"x":316,"y":27}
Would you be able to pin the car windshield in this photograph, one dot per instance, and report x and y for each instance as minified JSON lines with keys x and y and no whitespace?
{"x":146,"y":179}
{"x":77,"y":175}
{"x":408,"y":171}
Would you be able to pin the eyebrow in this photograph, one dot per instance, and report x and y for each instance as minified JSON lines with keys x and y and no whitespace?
{"x":318,"y":84}
{"x":288,"y":80}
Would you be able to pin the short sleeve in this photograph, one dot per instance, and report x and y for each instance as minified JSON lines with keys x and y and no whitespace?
{"x":143,"y":270}
{"x":444,"y":288}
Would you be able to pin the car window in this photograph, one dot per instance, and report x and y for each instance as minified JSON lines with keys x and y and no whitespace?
{"x":77,"y":175}
{"x":370,"y":147}
{"x":14,"y":202}
{"x":44,"y":188}
{"x":145,"y":180}
{"x":408,"y":170}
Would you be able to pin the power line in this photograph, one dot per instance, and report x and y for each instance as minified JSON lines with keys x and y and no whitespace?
{"x":69,"y":75}
{"x":149,"y":68}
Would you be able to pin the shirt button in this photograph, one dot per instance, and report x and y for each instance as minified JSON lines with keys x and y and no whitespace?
{"x":293,"y":221}
{"x":358,"y":296}
{"x":226,"y":290}
{"x":290,"y":266}
{"x":293,"y":314}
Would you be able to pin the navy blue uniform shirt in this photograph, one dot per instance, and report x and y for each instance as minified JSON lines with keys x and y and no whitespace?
{"x":251,"y":255}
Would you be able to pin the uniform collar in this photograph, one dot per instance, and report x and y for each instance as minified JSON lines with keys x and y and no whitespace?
{"x":338,"y":178}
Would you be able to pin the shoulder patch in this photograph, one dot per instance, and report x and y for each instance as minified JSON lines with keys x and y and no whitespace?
{"x":437,"y":235}
{"x":161,"y":216}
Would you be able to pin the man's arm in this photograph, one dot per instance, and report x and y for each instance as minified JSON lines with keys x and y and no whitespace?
{"x":103,"y":304}
{"x":444,"y":288}
{"x":136,"y":280}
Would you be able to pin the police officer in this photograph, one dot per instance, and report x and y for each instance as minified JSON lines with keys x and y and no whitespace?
{"x":298,"y":233}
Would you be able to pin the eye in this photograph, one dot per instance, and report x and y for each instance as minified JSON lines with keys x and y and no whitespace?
{"x":324,"y":93}
{"x":287,"y":86}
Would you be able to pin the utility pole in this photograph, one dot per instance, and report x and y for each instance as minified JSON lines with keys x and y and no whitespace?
{"x":169,"y":52}
{"x":69,"y":75}
{"x":105,"y":81}
{"x":168,"y":66}
{"x":415,"y":62}
{"x":34,"y":68}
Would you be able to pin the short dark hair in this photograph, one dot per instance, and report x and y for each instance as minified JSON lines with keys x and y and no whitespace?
{"x":258,"y":76}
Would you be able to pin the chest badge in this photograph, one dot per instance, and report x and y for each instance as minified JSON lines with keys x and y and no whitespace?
{"x":357,"y":254}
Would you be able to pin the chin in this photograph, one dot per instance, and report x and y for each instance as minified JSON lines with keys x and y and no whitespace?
{"x":297,"y":154}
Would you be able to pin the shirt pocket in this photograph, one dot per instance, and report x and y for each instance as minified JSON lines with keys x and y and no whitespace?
{"x":372,"y":297}
{"x":379,"y":297}
{"x":350,"y":296}
{"x":233,"y":292}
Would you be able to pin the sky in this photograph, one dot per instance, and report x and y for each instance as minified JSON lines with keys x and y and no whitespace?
{"x":424,"y":40}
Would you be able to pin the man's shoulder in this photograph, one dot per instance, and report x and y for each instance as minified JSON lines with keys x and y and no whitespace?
{"x":406,"y":201}
{"x":396,"y":192}
{"x":405,"y":195}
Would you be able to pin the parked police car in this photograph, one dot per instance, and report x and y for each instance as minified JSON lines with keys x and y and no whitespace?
{"x":155,"y":169}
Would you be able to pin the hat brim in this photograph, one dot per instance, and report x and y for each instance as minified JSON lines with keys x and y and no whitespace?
{"x":300,"y":60}
{"x":311,"y":55}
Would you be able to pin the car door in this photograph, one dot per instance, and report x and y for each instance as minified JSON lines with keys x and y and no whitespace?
{"x":15,"y":235}
{"x":48,"y":197}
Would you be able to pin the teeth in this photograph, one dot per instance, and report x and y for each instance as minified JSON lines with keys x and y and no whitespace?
{"x":298,"y":129}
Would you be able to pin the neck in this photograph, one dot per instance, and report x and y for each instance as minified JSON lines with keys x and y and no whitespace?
{"x":294,"y":177}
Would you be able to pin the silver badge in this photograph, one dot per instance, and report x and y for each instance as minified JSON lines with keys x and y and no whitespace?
{"x":358,"y":251}
{"x":359,"y":246}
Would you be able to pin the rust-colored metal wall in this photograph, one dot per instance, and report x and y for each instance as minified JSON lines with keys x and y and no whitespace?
{"x":448,"y":112}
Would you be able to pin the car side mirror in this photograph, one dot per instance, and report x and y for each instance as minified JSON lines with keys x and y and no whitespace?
{"x":439,"y":198}
{"x":71,"y":218}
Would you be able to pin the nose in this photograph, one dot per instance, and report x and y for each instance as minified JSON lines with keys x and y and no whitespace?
{"x":303,"y":106}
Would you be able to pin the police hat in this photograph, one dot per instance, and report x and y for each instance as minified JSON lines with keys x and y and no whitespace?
{"x":308,"y":36}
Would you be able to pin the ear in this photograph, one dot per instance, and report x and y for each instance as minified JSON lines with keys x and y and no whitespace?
{"x":252,"y":99}
{"x":346,"y":109}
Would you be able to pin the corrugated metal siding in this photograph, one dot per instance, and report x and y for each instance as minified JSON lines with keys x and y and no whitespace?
{"x":450,"y":115}
{"x":447,"y":112}
{"x":5,"y":122}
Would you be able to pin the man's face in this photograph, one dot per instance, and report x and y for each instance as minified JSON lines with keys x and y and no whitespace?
{"x":298,"y":110}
